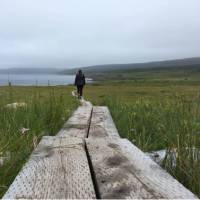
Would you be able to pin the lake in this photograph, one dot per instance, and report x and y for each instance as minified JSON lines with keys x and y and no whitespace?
{"x":36,"y":79}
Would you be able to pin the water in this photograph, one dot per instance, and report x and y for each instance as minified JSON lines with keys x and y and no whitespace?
{"x":36,"y":79}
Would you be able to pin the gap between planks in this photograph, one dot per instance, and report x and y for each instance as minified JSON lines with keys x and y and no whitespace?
{"x":100,"y":139}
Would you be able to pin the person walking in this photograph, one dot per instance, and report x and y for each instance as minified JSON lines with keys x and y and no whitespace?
{"x":79,"y":83}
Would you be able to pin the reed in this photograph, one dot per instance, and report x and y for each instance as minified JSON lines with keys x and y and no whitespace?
{"x":174,"y":125}
{"x":43,"y":112}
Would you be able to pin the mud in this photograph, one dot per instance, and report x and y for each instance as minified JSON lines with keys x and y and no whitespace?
{"x":44,"y":152}
{"x":113,"y":146}
{"x":116,"y":160}
{"x":96,"y":131}
{"x":117,"y":176}
{"x":119,"y":192}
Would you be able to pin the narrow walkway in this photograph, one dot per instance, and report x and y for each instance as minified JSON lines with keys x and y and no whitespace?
{"x":87,"y":159}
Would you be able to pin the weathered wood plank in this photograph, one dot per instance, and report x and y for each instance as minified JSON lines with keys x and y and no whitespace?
{"x":153,"y":174}
{"x":73,"y":132}
{"x":102,"y":124}
{"x":78,"y":123}
{"x":85,"y":103}
{"x":124,"y":171}
{"x":57,"y":169}
{"x":82,"y":101}
{"x":80,"y":118}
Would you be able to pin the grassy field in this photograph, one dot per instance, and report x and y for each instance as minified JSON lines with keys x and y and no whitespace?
{"x":155,"y":111}
{"x":158,"y":115}
{"x":44,"y":112}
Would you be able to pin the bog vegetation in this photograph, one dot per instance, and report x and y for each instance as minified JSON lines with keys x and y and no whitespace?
{"x":158,"y":115}
{"x":36,"y":111}
{"x":170,"y":125}
{"x":155,"y":110}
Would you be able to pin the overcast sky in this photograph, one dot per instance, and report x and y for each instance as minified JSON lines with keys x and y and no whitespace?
{"x":73,"y":33}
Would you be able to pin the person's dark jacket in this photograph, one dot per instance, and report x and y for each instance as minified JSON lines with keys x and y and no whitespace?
{"x":80,"y":79}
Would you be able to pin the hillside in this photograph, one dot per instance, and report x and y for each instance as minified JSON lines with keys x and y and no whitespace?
{"x":180,"y":67}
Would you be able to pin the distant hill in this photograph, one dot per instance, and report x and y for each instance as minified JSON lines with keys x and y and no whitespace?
{"x":149,"y":65}
{"x":119,"y":71}
{"x":129,"y":71}
{"x":30,"y":71}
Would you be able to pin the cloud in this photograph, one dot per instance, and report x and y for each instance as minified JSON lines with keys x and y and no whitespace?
{"x":72,"y":33}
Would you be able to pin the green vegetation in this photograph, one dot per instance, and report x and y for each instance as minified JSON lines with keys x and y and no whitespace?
{"x":164,"y":124}
{"x":158,"y":114}
{"x":155,"y":109}
{"x":44,"y":112}
{"x":173,"y":70}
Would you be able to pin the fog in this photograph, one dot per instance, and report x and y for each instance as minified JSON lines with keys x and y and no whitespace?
{"x":74,"y":33}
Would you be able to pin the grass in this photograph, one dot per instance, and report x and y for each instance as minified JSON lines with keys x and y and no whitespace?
{"x":172,"y":125}
{"x":46,"y":111}
{"x":153,"y":109}
{"x":168,"y":73}
{"x":157,"y":115}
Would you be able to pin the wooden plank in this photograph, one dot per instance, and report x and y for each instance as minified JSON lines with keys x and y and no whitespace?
{"x":102,"y":124}
{"x":85,"y":103}
{"x":153,"y":174}
{"x":57,"y":169}
{"x":78,"y":123}
{"x":124,"y":171}
{"x":80,"y":118}
{"x":82,"y":100}
{"x":73,"y":132}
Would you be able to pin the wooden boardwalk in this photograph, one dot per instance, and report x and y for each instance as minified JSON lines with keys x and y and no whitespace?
{"x":87,"y":159}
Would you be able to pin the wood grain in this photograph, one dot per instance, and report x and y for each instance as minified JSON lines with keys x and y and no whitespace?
{"x":123,"y":171}
{"x":102,"y":124}
{"x":78,"y":123}
{"x":57,"y":169}
{"x":80,"y":118}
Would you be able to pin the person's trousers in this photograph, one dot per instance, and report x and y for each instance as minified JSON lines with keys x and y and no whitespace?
{"x":80,"y":90}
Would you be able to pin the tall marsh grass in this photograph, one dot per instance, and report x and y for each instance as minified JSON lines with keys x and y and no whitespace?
{"x":174,"y":125}
{"x":46,"y":111}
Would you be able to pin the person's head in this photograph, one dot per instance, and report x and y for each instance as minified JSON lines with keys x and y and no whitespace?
{"x":80,"y":71}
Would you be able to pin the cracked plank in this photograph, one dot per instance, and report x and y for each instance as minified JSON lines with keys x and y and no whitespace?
{"x":80,"y":118}
{"x":73,"y":132}
{"x":57,"y":169}
{"x":124,"y":171}
{"x":78,"y":123}
{"x":102,"y":124}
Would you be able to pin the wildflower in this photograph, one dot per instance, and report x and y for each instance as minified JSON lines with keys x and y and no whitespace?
{"x":24,"y":130}
{"x":1,"y":161}
{"x":16,"y":105}
{"x":133,"y":130}
{"x":134,"y":114}
{"x":35,"y":141}
{"x":4,"y":157}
